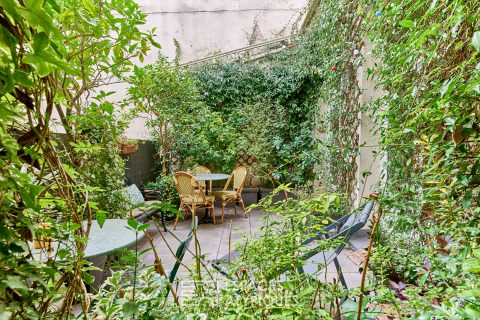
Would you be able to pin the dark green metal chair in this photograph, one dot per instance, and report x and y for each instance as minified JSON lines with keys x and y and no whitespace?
{"x":343,"y":229}
{"x":180,"y":253}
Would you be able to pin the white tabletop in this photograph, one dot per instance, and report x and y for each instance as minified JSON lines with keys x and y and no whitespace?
{"x":114,"y":234}
{"x":211,"y":176}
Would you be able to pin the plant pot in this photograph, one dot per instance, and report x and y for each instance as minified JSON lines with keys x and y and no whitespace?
{"x":150,"y":194}
{"x":128,"y":148}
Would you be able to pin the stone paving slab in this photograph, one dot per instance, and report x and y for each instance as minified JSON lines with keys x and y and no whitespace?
{"x":214,"y":240}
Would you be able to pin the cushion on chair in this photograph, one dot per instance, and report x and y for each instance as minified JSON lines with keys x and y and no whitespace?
{"x":143,"y":209}
{"x":134,"y":195}
{"x":225,"y":194}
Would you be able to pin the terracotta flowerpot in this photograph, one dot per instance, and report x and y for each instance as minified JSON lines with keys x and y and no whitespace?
{"x":40,"y":242}
{"x":128,"y":148}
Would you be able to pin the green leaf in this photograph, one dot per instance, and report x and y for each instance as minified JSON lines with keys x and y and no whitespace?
{"x":476,"y":40}
{"x":44,"y":61}
{"x":407,"y":23}
{"x":89,"y":6}
{"x":471,"y":265}
{"x":5,"y":233}
{"x":467,"y":199}
{"x":11,"y":7}
{"x":143,"y":226}
{"x":130,"y":308}
{"x":23,"y":78}
{"x":15,"y":282}
{"x":133,"y":223}
{"x":108,"y":107}
{"x":470,"y":293}
{"x":43,"y":69}
{"x":88,"y":277}
{"x":63,"y":253}
{"x":473,"y":310}
{"x":101,"y":217}
{"x":40,"y":42}
{"x":29,"y":195}
{"x":37,"y":17}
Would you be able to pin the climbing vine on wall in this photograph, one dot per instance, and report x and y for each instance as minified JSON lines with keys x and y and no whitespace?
{"x":290,"y":87}
{"x":428,"y":125}
{"x":270,"y":106}
{"x":333,"y":38}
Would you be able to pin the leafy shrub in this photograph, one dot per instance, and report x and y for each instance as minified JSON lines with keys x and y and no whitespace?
{"x":53,"y":63}
{"x":114,"y":299}
{"x":271,"y":257}
{"x":427,"y":120}
{"x":271,"y":110}
{"x":164,"y":188}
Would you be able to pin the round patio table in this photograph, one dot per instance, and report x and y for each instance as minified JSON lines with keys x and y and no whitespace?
{"x":210,"y":177}
{"x":113,"y":235}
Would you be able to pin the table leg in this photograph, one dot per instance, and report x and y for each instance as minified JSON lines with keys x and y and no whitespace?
{"x":100,"y":263}
{"x":206,"y":219}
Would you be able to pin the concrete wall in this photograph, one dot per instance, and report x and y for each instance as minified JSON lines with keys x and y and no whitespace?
{"x":370,"y":160}
{"x":211,"y":26}
{"x":205,"y":27}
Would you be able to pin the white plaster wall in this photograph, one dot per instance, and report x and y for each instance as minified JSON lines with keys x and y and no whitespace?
{"x":210,"y":26}
{"x":369,"y":159}
{"x":205,"y":27}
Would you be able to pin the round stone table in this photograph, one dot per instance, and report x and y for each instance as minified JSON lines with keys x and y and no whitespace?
{"x":211,"y":176}
{"x":114,"y":234}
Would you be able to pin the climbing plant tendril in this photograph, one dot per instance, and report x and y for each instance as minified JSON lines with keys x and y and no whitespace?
{"x":428,"y":54}
{"x":334,"y":39}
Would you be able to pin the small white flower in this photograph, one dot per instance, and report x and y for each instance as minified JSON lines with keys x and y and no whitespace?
{"x":356,"y":52}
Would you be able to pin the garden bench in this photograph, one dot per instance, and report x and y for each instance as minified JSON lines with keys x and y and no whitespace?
{"x":342,"y":229}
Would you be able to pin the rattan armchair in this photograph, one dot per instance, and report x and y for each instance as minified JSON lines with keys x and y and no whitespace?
{"x":191,"y":195}
{"x":238,"y":176}
{"x":198,"y":169}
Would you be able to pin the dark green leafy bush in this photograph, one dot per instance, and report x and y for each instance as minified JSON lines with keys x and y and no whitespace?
{"x":164,"y":188}
{"x":271,"y":107}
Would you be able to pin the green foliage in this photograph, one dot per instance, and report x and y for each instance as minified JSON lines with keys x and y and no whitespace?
{"x":334,"y":41}
{"x":101,"y":162}
{"x":265,"y":279}
{"x":167,"y":92}
{"x":270,"y":107}
{"x":54,"y":54}
{"x":428,"y":126}
{"x":119,"y":299}
{"x":165,"y":190}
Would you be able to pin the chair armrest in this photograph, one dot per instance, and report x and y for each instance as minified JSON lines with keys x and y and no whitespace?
{"x":337,"y":223}
{"x":221,"y":263}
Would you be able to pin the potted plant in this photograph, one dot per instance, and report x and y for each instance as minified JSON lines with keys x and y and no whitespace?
{"x":162,"y":189}
{"x":128,"y":146}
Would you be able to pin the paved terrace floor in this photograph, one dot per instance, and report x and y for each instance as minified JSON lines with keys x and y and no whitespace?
{"x":214,"y":240}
